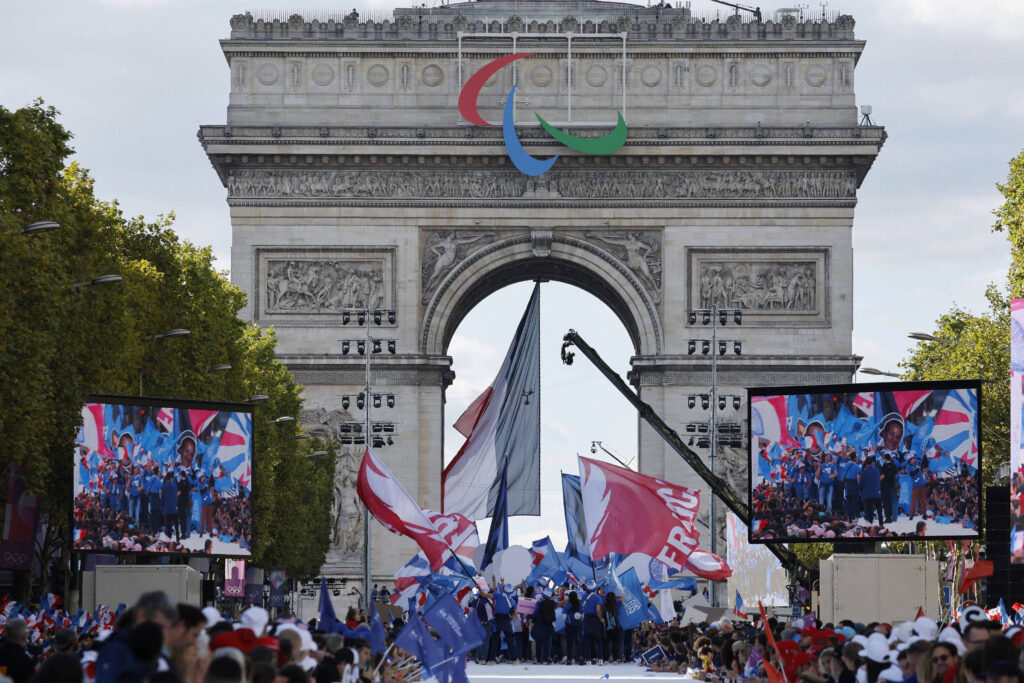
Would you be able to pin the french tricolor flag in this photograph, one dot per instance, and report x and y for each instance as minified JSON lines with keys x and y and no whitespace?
{"x":502,"y":427}
{"x":954,"y":426}
{"x":768,"y":420}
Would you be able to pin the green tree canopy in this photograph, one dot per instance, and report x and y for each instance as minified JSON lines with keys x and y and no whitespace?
{"x":978,"y":344}
{"x":61,"y":342}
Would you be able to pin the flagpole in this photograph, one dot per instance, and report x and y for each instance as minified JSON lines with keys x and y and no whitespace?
{"x":382,"y":659}
{"x":367,"y":574}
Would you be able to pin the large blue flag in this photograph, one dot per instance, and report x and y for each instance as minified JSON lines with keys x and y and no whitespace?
{"x":417,"y":641}
{"x":328,"y":620}
{"x":635,"y":608}
{"x":575,"y":523}
{"x":447,"y":620}
{"x":497,"y":535}
{"x":377,"y":633}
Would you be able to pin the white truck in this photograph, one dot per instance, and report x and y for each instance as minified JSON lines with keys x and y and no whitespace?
{"x":883,"y":588}
{"x":112,"y":585}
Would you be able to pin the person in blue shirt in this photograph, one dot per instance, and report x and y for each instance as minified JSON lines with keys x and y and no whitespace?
{"x":153,"y":484}
{"x":136,"y":484}
{"x":851,"y":484}
{"x":169,"y":502}
{"x":206,"y":491}
{"x":799,"y":479}
{"x":504,"y":605}
{"x":593,"y":624}
{"x":871,"y":491}
{"x":918,"y":488}
{"x":826,"y":475}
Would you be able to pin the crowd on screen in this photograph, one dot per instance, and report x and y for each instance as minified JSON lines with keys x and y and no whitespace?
{"x":841,"y":491}
{"x":148,"y":487}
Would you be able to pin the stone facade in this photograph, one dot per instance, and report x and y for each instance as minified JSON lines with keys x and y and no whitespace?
{"x":351,"y":178}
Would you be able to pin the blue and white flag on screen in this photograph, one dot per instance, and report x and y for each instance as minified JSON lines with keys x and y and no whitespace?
{"x":954,"y":426}
{"x":502,"y":428}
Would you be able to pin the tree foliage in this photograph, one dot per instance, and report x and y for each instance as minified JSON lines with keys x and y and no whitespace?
{"x":980,"y":341}
{"x":62,"y":342}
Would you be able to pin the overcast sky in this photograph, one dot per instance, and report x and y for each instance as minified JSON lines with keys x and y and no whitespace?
{"x":134,"y":79}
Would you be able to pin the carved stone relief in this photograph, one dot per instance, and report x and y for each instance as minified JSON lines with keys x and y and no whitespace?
{"x":815,"y":76}
{"x":597,"y":76}
{"x":442,"y":250}
{"x":733,"y":76}
{"x":241,"y":76}
{"x":758,"y":285}
{"x":845,"y":77}
{"x":541,"y":76}
{"x":650,"y":75}
{"x":317,"y":286}
{"x":640,"y":251}
{"x":432,"y":76}
{"x":311,"y":286}
{"x":706,"y":75}
{"x":346,"y":509}
{"x":323,"y":75}
{"x":679,"y":70}
{"x":773,"y":286}
{"x":377,"y":75}
{"x":405,"y":77}
{"x":788,"y":72}
{"x":760,"y":75}
{"x":583,"y":184}
{"x":294,"y":76}
{"x":267,"y":74}
{"x":351,"y":84}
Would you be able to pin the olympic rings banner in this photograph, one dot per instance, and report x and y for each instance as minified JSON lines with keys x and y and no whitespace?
{"x":20,"y":519}
{"x":529,"y":165}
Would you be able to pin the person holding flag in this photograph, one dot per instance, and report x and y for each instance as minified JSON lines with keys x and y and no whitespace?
{"x":504,"y":607}
{"x":593,"y":624}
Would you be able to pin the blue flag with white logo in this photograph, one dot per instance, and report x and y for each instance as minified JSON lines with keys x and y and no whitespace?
{"x":905,"y":487}
{"x":447,"y":620}
{"x":417,"y":641}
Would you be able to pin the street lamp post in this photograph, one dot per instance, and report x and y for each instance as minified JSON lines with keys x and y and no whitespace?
{"x":169,"y":334}
{"x":714,"y":316}
{"x":366,"y":346}
{"x":877,"y":372}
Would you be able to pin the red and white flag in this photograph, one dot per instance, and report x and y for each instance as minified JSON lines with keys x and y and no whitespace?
{"x":391,"y":505}
{"x":708,"y":566}
{"x":865,"y":402}
{"x":768,"y":418}
{"x":628,"y":512}
{"x":502,"y":426}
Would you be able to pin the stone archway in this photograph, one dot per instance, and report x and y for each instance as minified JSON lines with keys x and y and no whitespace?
{"x":562,"y":258}
{"x":351,"y":176}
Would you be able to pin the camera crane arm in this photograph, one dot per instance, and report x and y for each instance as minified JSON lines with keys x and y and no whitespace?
{"x":718,"y":486}
{"x":756,"y":11}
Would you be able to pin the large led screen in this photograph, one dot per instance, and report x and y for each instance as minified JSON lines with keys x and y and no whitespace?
{"x":163,"y":476}
{"x":1016,"y":433}
{"x":862,"y":462}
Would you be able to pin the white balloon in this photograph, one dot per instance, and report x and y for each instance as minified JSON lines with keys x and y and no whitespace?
{"x":514,"y":565}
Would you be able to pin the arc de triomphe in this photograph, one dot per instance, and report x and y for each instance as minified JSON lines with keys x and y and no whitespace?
{"x":353,"y":180}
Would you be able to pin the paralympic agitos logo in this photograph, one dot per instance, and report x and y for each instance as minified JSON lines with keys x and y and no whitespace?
{"x":527,"y":164}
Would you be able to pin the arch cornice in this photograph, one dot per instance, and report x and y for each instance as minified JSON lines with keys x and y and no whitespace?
{"x":567,"y":258}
